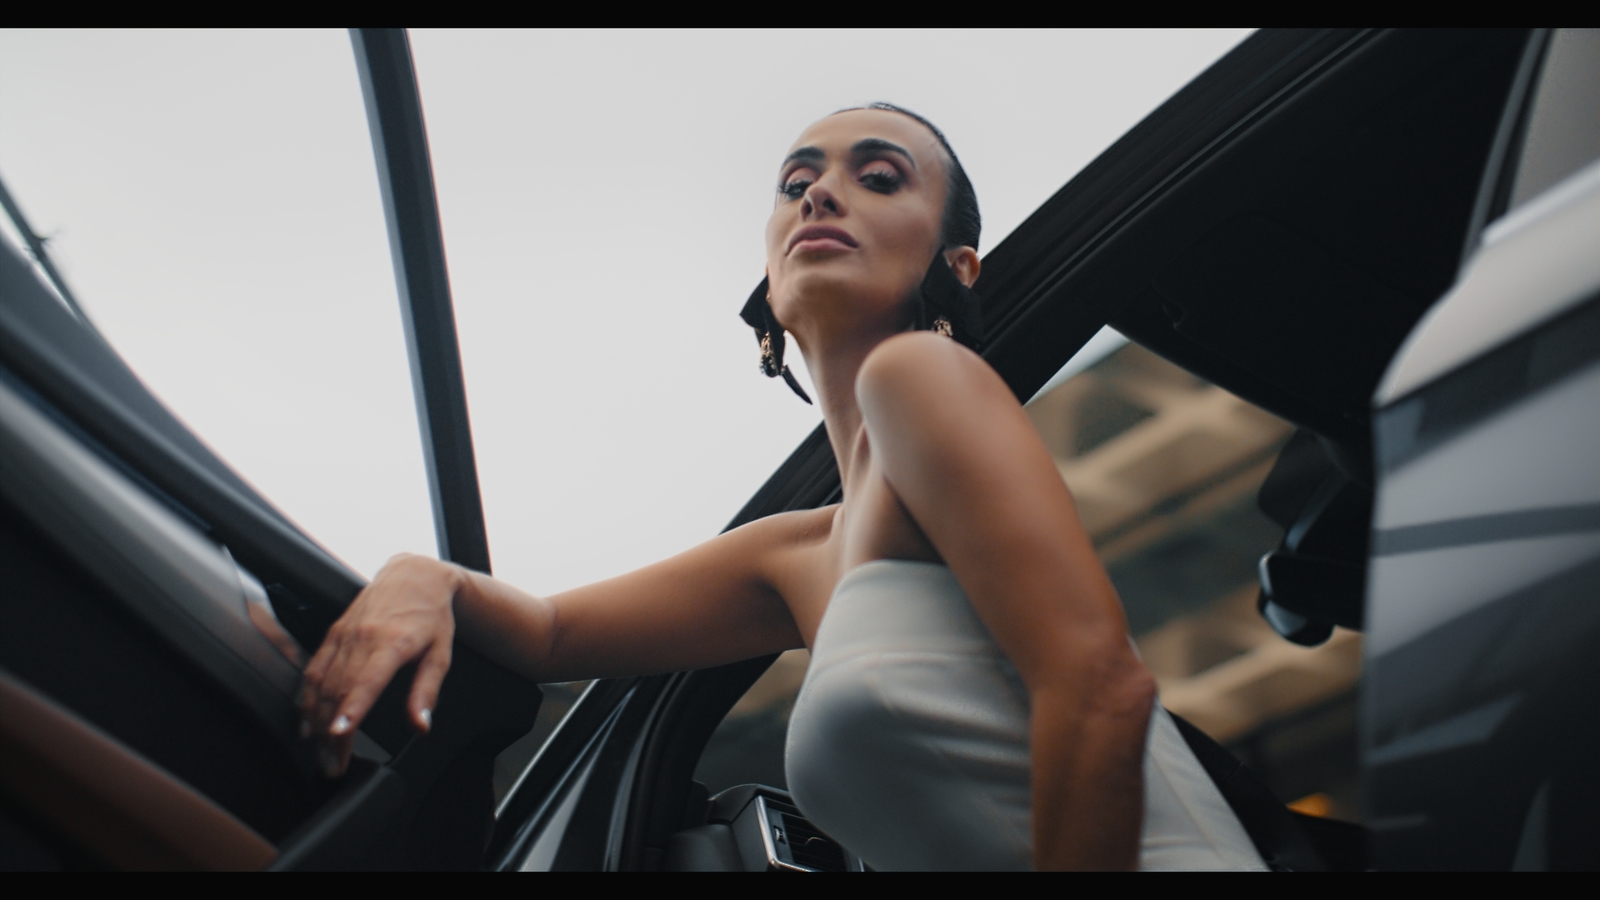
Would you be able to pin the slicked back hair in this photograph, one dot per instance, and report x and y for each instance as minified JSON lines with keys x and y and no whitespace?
{"x":962,"y":223}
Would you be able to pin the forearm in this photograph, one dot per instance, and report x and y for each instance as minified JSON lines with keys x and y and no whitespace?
{"x":1088,"y":746}
{"x":688,"y":612}
{"x":506,"y":624}
{"x":701,"y":608}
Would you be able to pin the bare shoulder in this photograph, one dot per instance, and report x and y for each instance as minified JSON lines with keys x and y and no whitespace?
{"x":923,"y":374}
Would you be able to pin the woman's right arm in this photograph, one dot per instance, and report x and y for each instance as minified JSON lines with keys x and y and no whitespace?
{"x":713,"y":604}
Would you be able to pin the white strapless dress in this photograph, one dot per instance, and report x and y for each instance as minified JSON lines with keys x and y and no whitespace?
{"x":909,"y":741}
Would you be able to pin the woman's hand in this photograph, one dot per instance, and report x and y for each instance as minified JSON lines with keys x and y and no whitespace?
{"x":405,"y":615}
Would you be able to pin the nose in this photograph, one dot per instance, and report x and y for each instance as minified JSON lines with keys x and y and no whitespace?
{"x":819,"y":199}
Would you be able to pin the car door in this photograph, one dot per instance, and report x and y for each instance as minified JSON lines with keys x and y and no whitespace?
{"x":1482,"y":618}
{"x":158,"y":608}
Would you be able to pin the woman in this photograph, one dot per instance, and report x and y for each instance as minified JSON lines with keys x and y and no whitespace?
{"x":974,"y":700}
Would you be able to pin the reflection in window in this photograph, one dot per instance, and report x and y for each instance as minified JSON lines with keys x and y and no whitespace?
{"x":1165,"y":469}
{"x":1171,"y":505}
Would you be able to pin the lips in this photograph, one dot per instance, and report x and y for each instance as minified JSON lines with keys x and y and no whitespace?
{"x":821,"y":237}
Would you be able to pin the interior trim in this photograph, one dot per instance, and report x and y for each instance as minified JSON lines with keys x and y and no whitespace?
{"x":171,"y":575}
{"x":110,"y":800}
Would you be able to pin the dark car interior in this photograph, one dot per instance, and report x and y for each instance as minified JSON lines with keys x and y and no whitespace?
{"x":1276,"y":228}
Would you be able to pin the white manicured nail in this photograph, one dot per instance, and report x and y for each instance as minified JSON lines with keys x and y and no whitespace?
{"x":426,"y":715}
{"x":340,"y":725}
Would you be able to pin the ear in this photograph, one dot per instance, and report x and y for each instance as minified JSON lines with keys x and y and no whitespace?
{"x":965,"y":263}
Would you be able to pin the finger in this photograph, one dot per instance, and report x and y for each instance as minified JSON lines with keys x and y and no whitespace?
{"x":318,"y":666}
{"x":350,"y":658}
{"x":333,"y":754}
{"x":311,"y":685}
{"x":324,"y":705}
{"x":316,"y":671}
{"x":342,"y":749}
{"x":341,"y":712}
{"x":362,"y":691}
{"x":425,"y":686}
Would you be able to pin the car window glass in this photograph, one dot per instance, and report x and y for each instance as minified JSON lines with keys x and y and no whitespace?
{"x":212,"y":200}
{"x":1165,"y":469}
{"x":1563,"y":129}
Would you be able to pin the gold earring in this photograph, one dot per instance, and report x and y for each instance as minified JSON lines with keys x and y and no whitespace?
{"x":942,"y":326}
{"x":769,"y":360}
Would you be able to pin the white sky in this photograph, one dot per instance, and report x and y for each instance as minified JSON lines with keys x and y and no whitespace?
{"x":211,"y":197}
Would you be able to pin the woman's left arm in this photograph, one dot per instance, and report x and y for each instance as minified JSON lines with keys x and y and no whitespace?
{"x":962,"y":456}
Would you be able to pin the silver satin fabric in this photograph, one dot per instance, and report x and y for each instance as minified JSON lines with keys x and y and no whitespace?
{"x":909,"y":741}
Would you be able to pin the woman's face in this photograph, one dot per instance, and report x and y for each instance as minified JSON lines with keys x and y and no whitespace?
{"x":857,"y":220}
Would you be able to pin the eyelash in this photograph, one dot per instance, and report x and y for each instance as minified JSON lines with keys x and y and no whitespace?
{"x":881,"y":182}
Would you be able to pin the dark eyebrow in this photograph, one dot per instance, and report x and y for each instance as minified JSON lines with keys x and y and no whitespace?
{"x":879,"y":145}
{"x":809,"y":154}
{"x":862,"y":147}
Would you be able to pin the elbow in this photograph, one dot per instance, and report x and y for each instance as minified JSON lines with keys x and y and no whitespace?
{"x":1134,"y":693}
{"x":1106,"y":682}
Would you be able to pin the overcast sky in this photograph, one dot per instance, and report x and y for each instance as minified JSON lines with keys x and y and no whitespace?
{"x":212,"y":199}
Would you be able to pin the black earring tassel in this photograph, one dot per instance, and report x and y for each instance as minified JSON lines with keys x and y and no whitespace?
{"x":789,"y":379}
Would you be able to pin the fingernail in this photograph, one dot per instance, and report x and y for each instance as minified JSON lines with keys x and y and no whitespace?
{"x":340,"y":725}
{"x":426,"y":715}
{"x":305,"y":728}
{"x":329,"y":762}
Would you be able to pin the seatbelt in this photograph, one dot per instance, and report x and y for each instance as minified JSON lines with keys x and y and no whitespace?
{"x":1283,"y":845}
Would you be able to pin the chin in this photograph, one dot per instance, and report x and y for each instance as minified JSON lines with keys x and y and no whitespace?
{"x":823,"y":287}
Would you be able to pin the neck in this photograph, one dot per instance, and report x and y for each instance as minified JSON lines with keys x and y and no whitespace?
{"x":834,"y":365}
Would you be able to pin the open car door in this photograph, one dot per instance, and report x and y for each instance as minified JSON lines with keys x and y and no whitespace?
{"x":157,"y":609}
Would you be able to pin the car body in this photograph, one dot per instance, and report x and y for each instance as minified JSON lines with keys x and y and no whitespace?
{"x":1338,"y":226}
